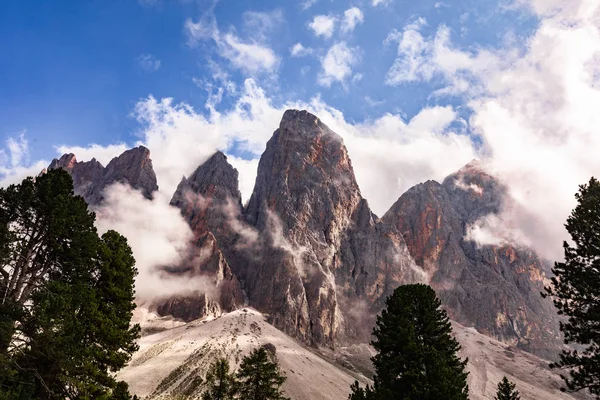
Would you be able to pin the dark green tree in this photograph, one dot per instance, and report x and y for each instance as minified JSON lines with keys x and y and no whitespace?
{"x":576,"y":292}
{"x":259,"y":378}
{"x":67,"y":295}
{"x":360,"y":393}
{"x":220,"y":382}
{"x":507,"y":391}
{"x":416,"y":354}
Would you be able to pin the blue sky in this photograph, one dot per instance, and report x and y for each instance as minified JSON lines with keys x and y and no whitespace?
{"x":416,"y":89}
{"x":71,"y":71}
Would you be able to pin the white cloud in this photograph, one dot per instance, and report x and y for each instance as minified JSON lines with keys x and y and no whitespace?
{"x":423,"y":59}
{"x":337,"y":64}
{"x":534,"y":104}
{"x":298,"y":50}
{"x":148,"y":62}
{"x":156,"y":232}
{"x":536,"y":112}
{"x":384,"y":3}
{"x":386,"y":153}
{"x":323,"y":25}
{"x":14,"y":161}
{"x":250,"y":57}
{"x":253,"y":56}
{"x":352,"y":17}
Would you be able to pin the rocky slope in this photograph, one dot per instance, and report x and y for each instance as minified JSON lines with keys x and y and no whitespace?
{"x":495,"y":288}
{"x":171,"y":359}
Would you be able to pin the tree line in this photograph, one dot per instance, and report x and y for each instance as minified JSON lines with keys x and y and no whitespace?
{"x":67,"y":298}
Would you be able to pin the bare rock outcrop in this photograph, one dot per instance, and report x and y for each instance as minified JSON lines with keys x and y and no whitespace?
{"x":494,"y":288}
{"x":90,"y":178}
{"x":326,"y":263}
{"x":206,"y":200}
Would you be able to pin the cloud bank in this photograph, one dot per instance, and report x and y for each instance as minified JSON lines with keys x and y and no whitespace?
{"x":533,"y":113}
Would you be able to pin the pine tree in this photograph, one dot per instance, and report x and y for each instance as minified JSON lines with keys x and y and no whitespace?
{"x":417,"y":355}
{"x":259,"y":378}
{"x":359,"y":393}
{"x":506,"y":391}
{"x":67,"y":295}
{"x":220,"y":383}
{"x":576,"y":289}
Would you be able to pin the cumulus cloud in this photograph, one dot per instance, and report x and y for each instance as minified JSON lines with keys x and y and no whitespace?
{"x":337,"y":64}
{"x":148,"y":62}
{"x":421,"y":59}
{"x":323,"y":25}
{"x":14,"y":161}
{"x":352,"y":17}
{"x":534,"y":105}
{"x":387,"y":152}
{"x":298,"y":50}
{"x":252,"y":55}
{"x":538,"y":118}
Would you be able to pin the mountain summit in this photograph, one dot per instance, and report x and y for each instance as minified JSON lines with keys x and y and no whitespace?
{"x":308,"y":252}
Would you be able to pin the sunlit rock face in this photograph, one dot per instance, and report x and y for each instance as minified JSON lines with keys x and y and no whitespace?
{"x":495,"y":288}
{"x":326,"y":262}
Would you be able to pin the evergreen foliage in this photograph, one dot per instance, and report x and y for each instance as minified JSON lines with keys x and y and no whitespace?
{"x":220,"y":383}
{"x":259,"y":378}
{"x":416,"y":353}
{"x":66,"y":295}
{"x":507,"y":391}
{"x":576,"y":292}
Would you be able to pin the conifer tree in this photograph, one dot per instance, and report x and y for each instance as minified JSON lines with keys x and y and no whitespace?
{"x":220,"y":383}
{"x":507,"y":391}
{"x":259,"y":378}
{"x":576,"y":289}
{"x":66,"y":295}
{"x":416,"y":354}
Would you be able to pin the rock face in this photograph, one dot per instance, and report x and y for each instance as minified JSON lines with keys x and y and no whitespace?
{"x":206,"y":200}
{"x":308,"y":252}
{"x":90,"y":178}
{"x":325,"y":260}
{"x":496,"y":288}
{"x":86,"y":175}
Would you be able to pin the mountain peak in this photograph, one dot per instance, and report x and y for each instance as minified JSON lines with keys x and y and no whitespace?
{"x":215,"y":178}
{"x":66,"y":161}
{"x":302,"y":124}
{"x":301,"y":116}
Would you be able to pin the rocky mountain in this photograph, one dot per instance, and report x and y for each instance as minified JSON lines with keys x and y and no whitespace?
{"x":308,"y":252}
{"x":494,"y":288}
{"x":206,"y":199}
{"x":326,"y":263}
{"x":90,"y":178}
